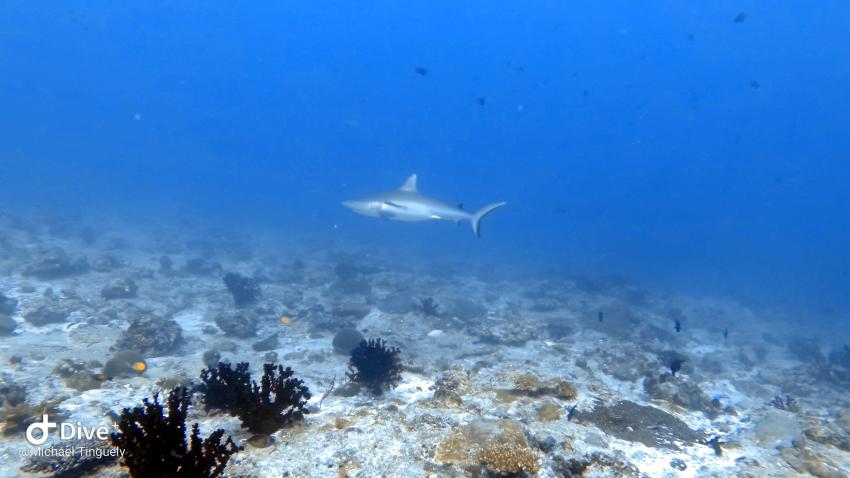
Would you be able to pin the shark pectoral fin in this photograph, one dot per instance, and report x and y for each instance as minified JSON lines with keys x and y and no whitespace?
{"x":409,"y":185}
{"x":395,"y":205}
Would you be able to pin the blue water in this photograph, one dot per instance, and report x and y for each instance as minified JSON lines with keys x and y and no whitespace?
{"x":659,"y":141}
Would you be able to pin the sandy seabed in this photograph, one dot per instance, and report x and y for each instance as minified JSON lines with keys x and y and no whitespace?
{"x":505,"y":374}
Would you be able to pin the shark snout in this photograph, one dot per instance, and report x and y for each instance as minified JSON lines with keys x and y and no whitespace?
{"x":358,"y":206}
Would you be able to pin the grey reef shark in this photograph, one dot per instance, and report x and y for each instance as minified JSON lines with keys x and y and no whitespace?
{"x":406,"y":204}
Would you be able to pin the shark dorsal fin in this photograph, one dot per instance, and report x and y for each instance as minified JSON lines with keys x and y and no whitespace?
{"x":409,"y":185}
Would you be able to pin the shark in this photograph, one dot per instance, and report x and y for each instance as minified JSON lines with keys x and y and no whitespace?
{"x":406,"y":204}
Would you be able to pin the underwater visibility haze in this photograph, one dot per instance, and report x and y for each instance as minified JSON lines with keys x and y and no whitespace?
{"x":242,"y":216}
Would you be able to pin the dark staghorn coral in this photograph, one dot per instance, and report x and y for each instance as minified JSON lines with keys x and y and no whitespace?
{"x":375,"y":366}
{"x":429,"y":307}
{"x":224,"y":388}
{"x":290,"y":396}
{"x":155,"y":445}
{"x":245,"y":290}
{"x":277,"y":401}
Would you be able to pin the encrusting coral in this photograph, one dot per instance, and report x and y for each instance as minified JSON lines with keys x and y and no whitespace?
{"x":155,"y":445}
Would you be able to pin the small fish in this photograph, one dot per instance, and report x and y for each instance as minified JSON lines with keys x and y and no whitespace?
{"x":714,"y":443}
{"x":571,"y":413}
{"x":691,"y":36}
{"x":678,"y":326}
{"x":285,"y":320}
{"x":725,"y":334}
{"x":755,"y":84}
{"x":482,"y":100}
{"x":124,"y":363}
{"x":599,"y":316}
{"x":676,"y":365}
{"x":422,"y":71}
{"x":740,"y":18}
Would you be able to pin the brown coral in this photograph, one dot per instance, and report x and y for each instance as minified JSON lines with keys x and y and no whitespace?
{"x":530,"y":385}
{"x":498,"y":445}
{"x":509,"y":459}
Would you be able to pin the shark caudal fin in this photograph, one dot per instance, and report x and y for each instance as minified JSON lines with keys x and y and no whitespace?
{"x":476,"y":218}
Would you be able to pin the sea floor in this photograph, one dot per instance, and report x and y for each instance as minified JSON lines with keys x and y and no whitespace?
{"x":505,"y":374}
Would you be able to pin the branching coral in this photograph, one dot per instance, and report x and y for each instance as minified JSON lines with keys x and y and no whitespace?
{"x":375,"y":366}
{"x":234,"y":392}
{"x":224,"y":388}
{"x":155,"y":445}
{"x":499,"y":447}
{"x":507,"y":459}
{"x":429,"y":307}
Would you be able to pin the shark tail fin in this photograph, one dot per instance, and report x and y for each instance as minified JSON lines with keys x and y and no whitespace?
{"x":479,"y":215}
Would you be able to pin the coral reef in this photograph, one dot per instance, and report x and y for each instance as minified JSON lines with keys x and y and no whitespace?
{"x":788,"y":403}
{"x":201,"y":267}
{"x":641,"y":423}
{"x":124,"y":363}
{"x":16,"y":414}
{"x":428,"y":307}
{"x":151,"y":336}
{"x":375,"y":366}
{"x":451,"y":386}
{"x":120,"y":289}
{"x":594,"y":464}
{"x":51,"y":312}
{"x":77,"y":375}
{"x":684,"y":393}
{"x":346,"y":340}
{"x":838,"y":365}
{"x":241,"y":324}
{"x":211,"y":358}
{"x":398,"y":303}
{"x":7,"y":304}
{"x":268,"y":343}
{"x":77,"y":465}
{"x":233,"y":391}
{"x":499,"y":447}
{"x":530,"y":385}
{"x":7,"y":324}
{"x":465,"y":310}
{"x":10,"y":392}
{"x":245,"y":290}
{"x":506,"y":459}
{"x":57,"y":266}
{"x":155,"y":445}
{"x":224,"y":387}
